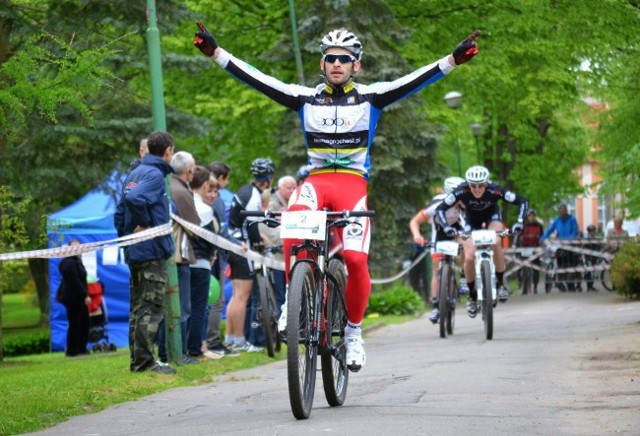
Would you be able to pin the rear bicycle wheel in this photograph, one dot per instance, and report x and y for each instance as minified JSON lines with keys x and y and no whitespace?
{"x":264,"y":315}
{"x":443,"y":296}
{"x":605,"y":278}
{"x":301,"y":351}
{"x":487,"y":300}
{"x":335,"y":374}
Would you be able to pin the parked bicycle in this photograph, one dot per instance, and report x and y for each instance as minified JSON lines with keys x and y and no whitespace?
{"x":316,"y":307}
{"x":485,"y":272}
{"x":268,"y":309}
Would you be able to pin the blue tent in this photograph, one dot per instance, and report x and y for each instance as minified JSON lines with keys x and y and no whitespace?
{"x":90,"y":219}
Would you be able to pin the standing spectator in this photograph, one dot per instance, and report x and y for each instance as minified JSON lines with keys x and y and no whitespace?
{"x":222,"y":173}
{"x":531,"y":237}
{"x":616,"y":236}
{"x":595,"y":245}
{"x":566,"y":227}
{"x":144,"y":204}
{"x":184,"y":166}
{"x":201,"y":270}
{"x":72,"y":293}
{"x":143,"y":149}
{"x":248,"y":197}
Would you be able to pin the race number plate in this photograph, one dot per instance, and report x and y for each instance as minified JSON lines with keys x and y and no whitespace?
{"x":449,"y":248}
{"x":483,"y":237}
{"x":304,"y":224}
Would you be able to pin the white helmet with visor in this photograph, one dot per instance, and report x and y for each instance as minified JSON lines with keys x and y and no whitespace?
{"x":477,"y":175}
{"x":344,"y":39}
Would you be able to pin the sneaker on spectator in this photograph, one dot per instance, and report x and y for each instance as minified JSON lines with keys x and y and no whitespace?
{"x":237,"y":347}
{"x":254,"y":348}
{"x":356,"y":357}
{"x":224,"y":351}
{"x":212,"y":356}
{"x":187,"y":360}
{"x":472,"y":308}
{"x":435,"y":316}
{"x":162,"y":368}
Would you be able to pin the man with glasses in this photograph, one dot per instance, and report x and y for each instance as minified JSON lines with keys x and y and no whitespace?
{"x":480,"y":197}
{"x":339,"y":118}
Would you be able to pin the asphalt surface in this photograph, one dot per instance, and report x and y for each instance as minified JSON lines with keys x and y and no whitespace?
{"x":559,"y":364}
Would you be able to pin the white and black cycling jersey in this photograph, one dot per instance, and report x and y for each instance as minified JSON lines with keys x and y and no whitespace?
{"x":249,"y":198}
{"x":338,"y":123}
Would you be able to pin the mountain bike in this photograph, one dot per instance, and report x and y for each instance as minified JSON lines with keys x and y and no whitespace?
{"x":268,"y":309}
{"x":485,"y":270}
{"x":316,"y":307}
{"x":448,"y":292}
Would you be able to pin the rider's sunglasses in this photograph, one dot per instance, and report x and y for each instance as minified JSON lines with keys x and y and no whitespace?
{"x":477,"y":185}
{"x":343,"y":58}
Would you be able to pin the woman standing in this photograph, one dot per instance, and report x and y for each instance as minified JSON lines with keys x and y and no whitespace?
{"x":72,"y":293}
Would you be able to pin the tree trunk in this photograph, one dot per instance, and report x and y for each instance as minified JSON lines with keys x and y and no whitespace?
{"x":40,"y":272}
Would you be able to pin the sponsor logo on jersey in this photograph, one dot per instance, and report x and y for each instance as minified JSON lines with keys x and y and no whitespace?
{"x":450,"y":199}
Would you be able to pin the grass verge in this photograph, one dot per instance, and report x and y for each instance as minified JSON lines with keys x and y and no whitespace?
{"x":40,"y":391}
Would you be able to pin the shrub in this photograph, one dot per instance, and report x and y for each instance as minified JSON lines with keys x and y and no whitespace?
{"x":16,"y":274}
{"x":625,"y":270}
{"x":35,"y":343}
{"x":398,"y":300}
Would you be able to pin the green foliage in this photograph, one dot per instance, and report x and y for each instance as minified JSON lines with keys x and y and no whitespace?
{"x":26,"y":344}
{"x":625,"y":270}
{"x":398,"y":300}
{"x":16,"y":274}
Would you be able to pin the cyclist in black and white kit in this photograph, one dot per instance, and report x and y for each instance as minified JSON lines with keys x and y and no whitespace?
{"x":480,"y":197}
{"x":248,"y":197}
{"x":339,"y":119}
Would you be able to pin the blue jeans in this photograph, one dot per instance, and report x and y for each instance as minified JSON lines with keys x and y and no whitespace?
{"x":200,"y":279}
{"x":279,"y":283}
{"x":184,"y":284}
{"x":252,"y":328}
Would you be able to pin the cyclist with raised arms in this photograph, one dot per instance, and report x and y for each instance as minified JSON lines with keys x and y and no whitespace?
{"x":455,"y":219}
{"x":339,"y":118}
{"x":480,"y":197}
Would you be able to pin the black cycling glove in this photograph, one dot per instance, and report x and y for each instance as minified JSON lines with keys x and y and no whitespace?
{"x":205,"y":41}
{"x":466,"y":49}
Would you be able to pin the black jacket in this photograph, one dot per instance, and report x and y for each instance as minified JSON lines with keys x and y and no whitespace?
{"x":73,"y":286}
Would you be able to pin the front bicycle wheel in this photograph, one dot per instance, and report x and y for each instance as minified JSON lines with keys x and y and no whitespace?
{"x":487,"y":300}
{"x":335,"y":374}
{"x":451,"y":302}
{"x":443,"y":296}
{"x":265,"y":317}
{"x":301,"y":351}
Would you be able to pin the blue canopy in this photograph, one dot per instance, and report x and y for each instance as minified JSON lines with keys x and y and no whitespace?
{"x":90,"y":219}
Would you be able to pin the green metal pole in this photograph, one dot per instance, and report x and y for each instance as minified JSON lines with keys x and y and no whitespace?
{"x":172,"y":294}
{"x":296,"y":44}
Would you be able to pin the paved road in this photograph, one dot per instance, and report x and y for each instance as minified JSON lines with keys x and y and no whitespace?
{"x":559,"y":364}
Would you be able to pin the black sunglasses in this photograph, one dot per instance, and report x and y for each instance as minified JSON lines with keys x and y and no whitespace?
{"x":343,"y":58}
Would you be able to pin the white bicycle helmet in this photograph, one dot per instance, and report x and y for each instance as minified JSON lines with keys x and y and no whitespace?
{"x":344,"y":39}
{"x":477,"y":175}
{"x":451,"y":183}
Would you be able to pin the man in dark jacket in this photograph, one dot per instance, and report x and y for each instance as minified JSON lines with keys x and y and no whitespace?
{"x":144,"y":204}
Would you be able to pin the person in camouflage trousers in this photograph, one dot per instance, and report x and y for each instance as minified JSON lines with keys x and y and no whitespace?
{"x":144,"y":204}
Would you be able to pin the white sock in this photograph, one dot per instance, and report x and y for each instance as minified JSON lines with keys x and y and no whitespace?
{"x":239,"y":341}
{"x":228,"y":339}
{"x":353,"y":329}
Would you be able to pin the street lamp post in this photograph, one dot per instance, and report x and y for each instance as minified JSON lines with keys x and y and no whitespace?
{"x":454,"y":101}
{"x":476,"y":129}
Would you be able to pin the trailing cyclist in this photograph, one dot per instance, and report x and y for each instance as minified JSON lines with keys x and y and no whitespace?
{"x":339,"y":118}
{"x":480,"y":196}
{"x":455,"y":218}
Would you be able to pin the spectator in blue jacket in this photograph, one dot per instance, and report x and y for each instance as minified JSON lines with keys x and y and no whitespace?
{"x":144,"y":204}
{"x":566,"y":227}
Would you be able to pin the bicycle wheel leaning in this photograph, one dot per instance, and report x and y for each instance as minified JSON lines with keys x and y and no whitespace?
{"x":335,"y":374}
{"x":267,"y":315}
{"x":487,"y":300}
{"x":605,"y":277}
{"x":443,"y":297}
{"x":301,"y":351}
